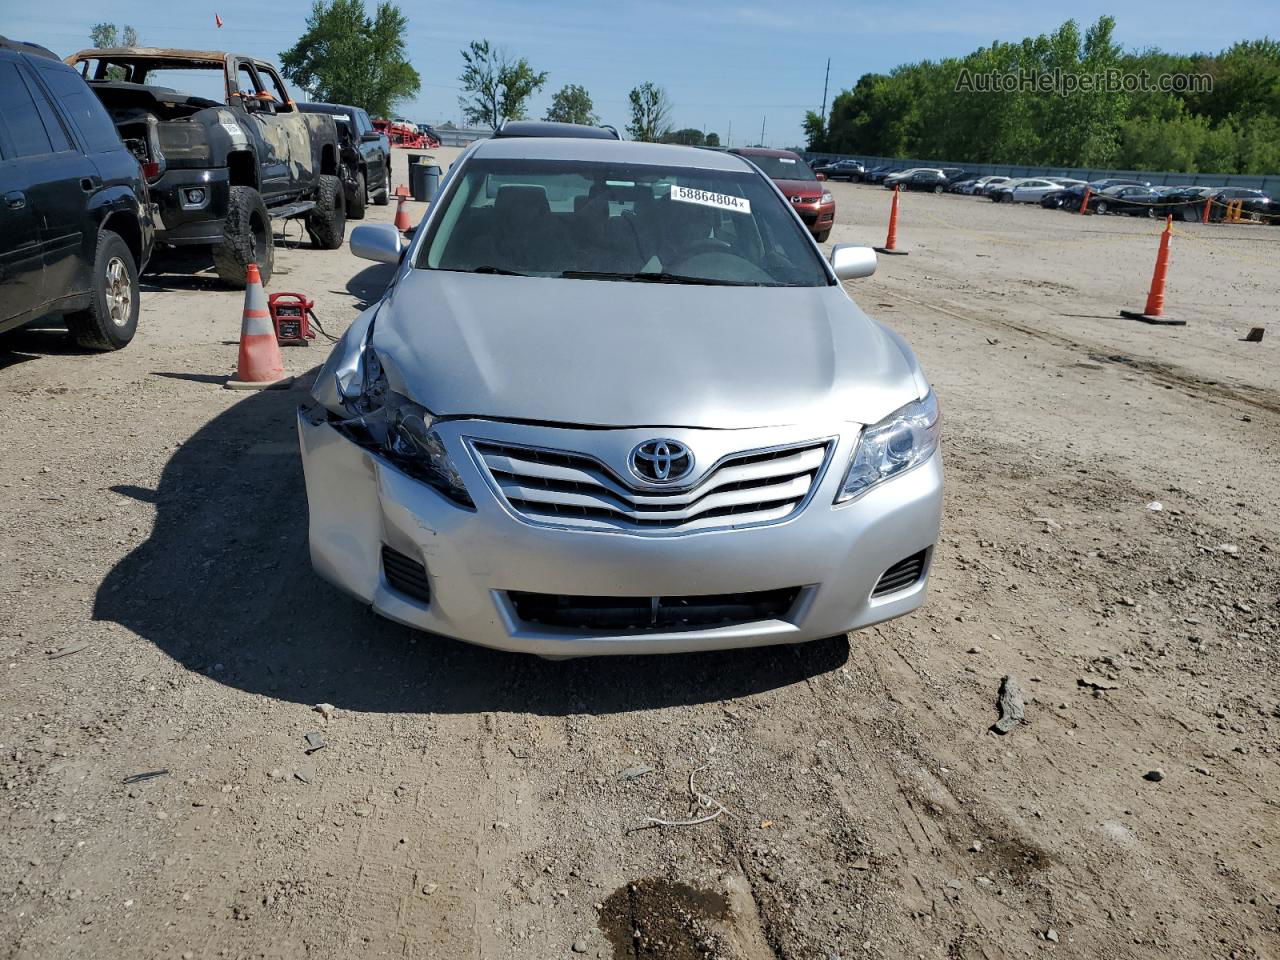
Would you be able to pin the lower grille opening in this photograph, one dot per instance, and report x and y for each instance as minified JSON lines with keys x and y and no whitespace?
{"x":641,"y":614}
{"x":901,"y":575}
{"x":405,"y":575}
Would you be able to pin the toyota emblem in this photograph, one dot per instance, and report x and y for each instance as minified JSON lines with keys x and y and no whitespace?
{"x":661,"y":461}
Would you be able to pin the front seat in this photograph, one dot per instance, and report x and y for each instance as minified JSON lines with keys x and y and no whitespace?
{"x":526,"y":235}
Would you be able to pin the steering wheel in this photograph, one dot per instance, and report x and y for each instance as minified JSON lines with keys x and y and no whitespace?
{"x":707,"y":245}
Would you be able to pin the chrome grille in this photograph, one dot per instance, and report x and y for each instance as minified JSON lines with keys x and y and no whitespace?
{"x":559,"y":488}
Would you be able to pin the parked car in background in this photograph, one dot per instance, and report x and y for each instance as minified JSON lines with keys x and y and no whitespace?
{"x":1063,"y":198}
{"x":365,"y":155}
{"x":958,"y":181}
{"x":223,"y":163}
{"x":983,"y":184}
{"x":894,"y":178}
{"x":935,"y":181}
{"x":1251,"y":202}
{"x":799,"y":184}
{"x":774,"y":478}
{"x":1097,"y":186}
{"x":877,"y":174}
{"x":76,"y":225}
{"x":851,"y":170}
{"x":1132,"y":199}
{"x":1031,"y":189}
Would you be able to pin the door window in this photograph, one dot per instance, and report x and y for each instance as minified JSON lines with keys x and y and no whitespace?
{"x":276,"y":89}
{"x":84,"y":109}
{"x":28,"y":134}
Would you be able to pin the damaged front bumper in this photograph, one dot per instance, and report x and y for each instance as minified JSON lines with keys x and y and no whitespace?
{"x":487,"y":575}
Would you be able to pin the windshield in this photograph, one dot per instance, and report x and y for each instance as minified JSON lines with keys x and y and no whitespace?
{"x":783,"y":168}
{"x":620,"y":221}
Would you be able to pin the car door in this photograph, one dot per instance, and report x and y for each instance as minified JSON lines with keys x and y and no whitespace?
{"x":44,"y":198}
{"x":273,"y":152}
{"x":291,"y":127}
{"x":68,"y":263}
{"x":1028,"y":190}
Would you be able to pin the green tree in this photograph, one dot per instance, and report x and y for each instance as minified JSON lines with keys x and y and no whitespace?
{"x":815,"y":130}
{"x":346,"y":56}
{"x":650,"y":113}
{"x":572,"y":104}
{"x":688,"y":137}
{"x":498,"y":87}
{"x":713,"y":139}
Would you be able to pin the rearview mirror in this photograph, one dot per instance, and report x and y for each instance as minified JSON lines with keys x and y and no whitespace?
{"x":380,"y":243}
{"x":849,"y":260}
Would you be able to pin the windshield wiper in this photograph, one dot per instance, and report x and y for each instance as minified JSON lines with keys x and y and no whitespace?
{"x":500,"y":271}
{"x":652,"y":277}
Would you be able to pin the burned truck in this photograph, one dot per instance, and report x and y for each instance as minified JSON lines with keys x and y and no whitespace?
{"x":225,"y":150}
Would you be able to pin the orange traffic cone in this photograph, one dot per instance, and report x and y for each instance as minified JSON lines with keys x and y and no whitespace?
{"x":403,"y":223}
{"x":1154,"y":310}
{"x":260,"y":365}
{"x":1084,"y":201}
{"x":891,"y":241}
{"x":1208,"y":206}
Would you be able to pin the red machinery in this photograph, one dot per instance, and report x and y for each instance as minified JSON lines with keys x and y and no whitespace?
{"x":291,"y":316}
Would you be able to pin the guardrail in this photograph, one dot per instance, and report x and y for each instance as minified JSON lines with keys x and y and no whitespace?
{"x":461,"y":136}
{"x":1154,"y":177}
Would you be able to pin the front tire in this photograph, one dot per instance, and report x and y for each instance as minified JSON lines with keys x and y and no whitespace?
{"x":359,"y":195}
{"x":938,"y":188}
{"x":327,"y":223}
{"x":383,"y":196}
{"x":1189,"y":215}
{"x":1100,"y":207}
{"x":822,"y":236}
{"x":246,"y":239}
{"x":112,"y":317}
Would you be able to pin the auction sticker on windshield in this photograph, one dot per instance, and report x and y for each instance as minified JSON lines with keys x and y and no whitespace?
{"x":708,"y":198}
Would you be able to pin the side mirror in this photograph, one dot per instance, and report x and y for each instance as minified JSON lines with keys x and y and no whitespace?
{"x":371,"y":136}
{"x":380,"y":243}
{"x":821,"y":176}
{"x":849,"y":260}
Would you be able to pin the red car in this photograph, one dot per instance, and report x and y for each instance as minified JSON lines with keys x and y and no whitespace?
{"x":800,"y":185}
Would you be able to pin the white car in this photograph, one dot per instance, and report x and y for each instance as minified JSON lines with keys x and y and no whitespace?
{"x":1028,"y":189}
{"x":983,"y":184}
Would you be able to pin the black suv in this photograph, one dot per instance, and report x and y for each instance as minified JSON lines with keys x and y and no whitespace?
{"x":76,"y":225}
{"x":365,"y":155}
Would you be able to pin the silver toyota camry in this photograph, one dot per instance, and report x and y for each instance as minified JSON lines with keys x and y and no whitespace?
{"x":616,"y":401}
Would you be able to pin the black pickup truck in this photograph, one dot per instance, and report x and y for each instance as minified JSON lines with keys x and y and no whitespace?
{"x":225,"y":159}
{"x":365,"y":156}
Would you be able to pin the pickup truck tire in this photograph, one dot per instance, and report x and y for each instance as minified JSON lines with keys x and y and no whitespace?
{"x":246,"y":238}
{"x":327,"y":223}
{"x":383,"y":196}
{"x":112,"y":317}
{"x":355,"y":206}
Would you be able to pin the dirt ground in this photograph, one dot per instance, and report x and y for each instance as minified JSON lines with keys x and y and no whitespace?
{"x":158,"y":615}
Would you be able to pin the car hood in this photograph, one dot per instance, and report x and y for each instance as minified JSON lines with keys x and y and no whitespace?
{"x":638,"y":354}
{"x":800,"y":188}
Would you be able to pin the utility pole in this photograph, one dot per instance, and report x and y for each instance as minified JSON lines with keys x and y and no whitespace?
{"x":762,"y":122}
{"x":728,"y":137}
{"x":823,"y":114}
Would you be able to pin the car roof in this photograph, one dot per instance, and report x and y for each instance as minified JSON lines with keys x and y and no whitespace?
{"x":607,"y":151}
{"x":21,"y":46}
{"x":554,"y":128}
{"x":334,"y":108}
{"x":760,"y":152}
{"x":149,"y":53}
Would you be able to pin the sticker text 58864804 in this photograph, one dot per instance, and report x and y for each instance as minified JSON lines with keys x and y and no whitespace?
{"x":709,"y":198}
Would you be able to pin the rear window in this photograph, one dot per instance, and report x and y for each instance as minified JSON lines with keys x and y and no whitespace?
{"x":783,"y":168}
{"x":82,"y":106}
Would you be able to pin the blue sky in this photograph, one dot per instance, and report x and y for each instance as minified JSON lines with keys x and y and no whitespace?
{"x":727,"y":66}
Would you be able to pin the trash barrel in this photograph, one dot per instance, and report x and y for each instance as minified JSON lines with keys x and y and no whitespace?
{"x":424,"y":179}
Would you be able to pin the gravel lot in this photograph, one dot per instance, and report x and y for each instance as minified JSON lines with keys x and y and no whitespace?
{"x":158,"y":613}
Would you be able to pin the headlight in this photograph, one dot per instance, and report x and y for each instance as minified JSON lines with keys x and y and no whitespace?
{"x":827,"y":198}
{"x":400,"y":430}
{"x":904,"y":439}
